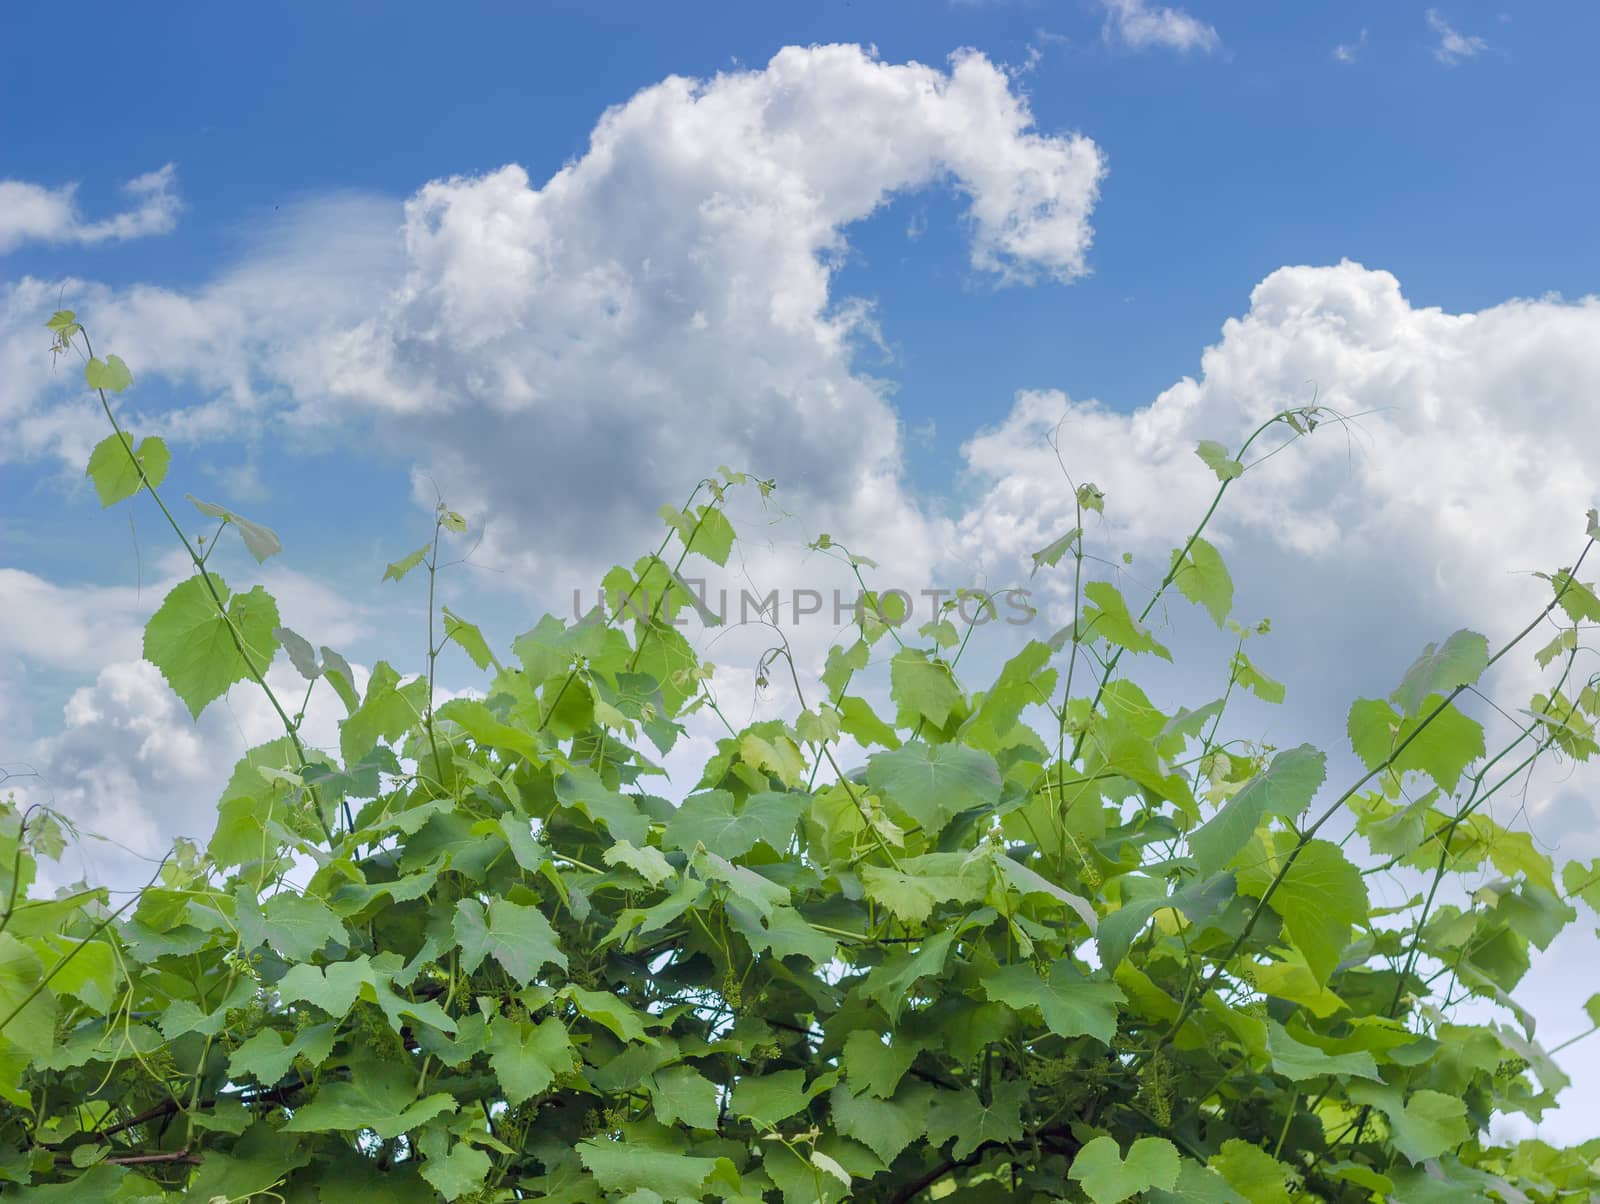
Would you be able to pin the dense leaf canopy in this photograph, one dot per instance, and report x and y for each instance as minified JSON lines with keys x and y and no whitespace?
{"x":1044,"y":940}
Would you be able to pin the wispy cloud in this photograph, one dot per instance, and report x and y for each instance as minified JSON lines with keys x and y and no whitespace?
{"x":35,"y":213}
{"x":1140,"y":25}
{"x":1347,"y":52}
{"x":1453,"y":46}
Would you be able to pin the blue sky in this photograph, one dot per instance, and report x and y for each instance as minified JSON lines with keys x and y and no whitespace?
{"x":367,"y":271}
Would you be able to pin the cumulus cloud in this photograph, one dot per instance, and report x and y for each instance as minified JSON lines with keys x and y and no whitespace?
{"x":662,"y":301}
{"x":1452,"y":46}
{"x":1141,"y":25}
{"x":36,"y":213}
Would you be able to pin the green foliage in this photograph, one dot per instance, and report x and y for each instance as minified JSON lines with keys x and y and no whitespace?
{"x":1051,"y":939}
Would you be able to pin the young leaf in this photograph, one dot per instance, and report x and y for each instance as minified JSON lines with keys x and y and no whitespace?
{"x":1216,"y":458}
{"x":110,"y":374}
{"x":193,"y":644}
{"x":262,"y":541}
{"x":1051,"y":553}
{"x":1203,"y":579}
{"x":1110,"y":620}
{"x":300,"y":653}
{"x":1459,"y":661}
{"x":114,"y":473}
{"x":398,"y":570}
{"x":469,"y":637}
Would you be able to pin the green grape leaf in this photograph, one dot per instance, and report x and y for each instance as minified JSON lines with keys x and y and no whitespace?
{"x":1257,"y":682}
{"x":1050,"y":555}
{"x":859,"y":721}
{"x":1442,"y":750}
{"x":607,"y":1010}
{"x":528,"y":1057}
{"x":1108,"y":1178}
{"x":714,"y":537}
{"x":297,"y":926}
{"x":890,"y":984}
{"x":1423,"y":1126}
{"x":933,"y":783}
{"x":109,"y":373}
{"x":517,"y":937}
{"x":963,"y":1115}
{"x":875,"y":1067}
{"x":682,"y":1093}
{"x":620,"y":1166}
{"x":1117,"y":931}
{"x":1196,"y":1185}
{"x":1215,"y":457}
{"x":114,"y":472}
{"x":460,"y":1172}
{"x":301,"y":654}
{"x":267,"y":1057}
{"x":1071,"y":1004}
{"x":469,"y":638}
{"x":1583,"y":882}
{"x":647,"y":862}
{"x":398,"y":570}
{"x":923,"y":688}
{"x":262,"y":541}
{"x":921,"y":883}
{"x":767,"y":1099}
{"x":1320,"y":896}
{"x":1577,"y":599}
{"x":884,"y":1126}
{"x":729,"y":829}
{"x":1202,"y":578}
{"x":387,"y":712}
{"x":1109,"y":619}
{"x":341,"y":677}
{"x":193,"y":646}
{"x":1297,"y":1061}
{"x":1285,"y":789}
{"x":1258,"y":1176}
{"x":381,"y":1096}
{"x":1441,"y":668}
{"x":581,"y":789}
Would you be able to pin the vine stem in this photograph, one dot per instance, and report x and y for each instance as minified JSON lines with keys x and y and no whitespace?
{"x":1171,"y":576}
{"x":1305,"y":838}
{"x":81,"y":946}
{"x":258,"y":675}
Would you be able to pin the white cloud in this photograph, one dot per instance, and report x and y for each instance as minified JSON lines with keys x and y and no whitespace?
{"x":1141,"y":25}
{"x":662,"y":301}
{"x":35,"y":213}
{"x":1348,"y":52}
{"x":1453,"y":46}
